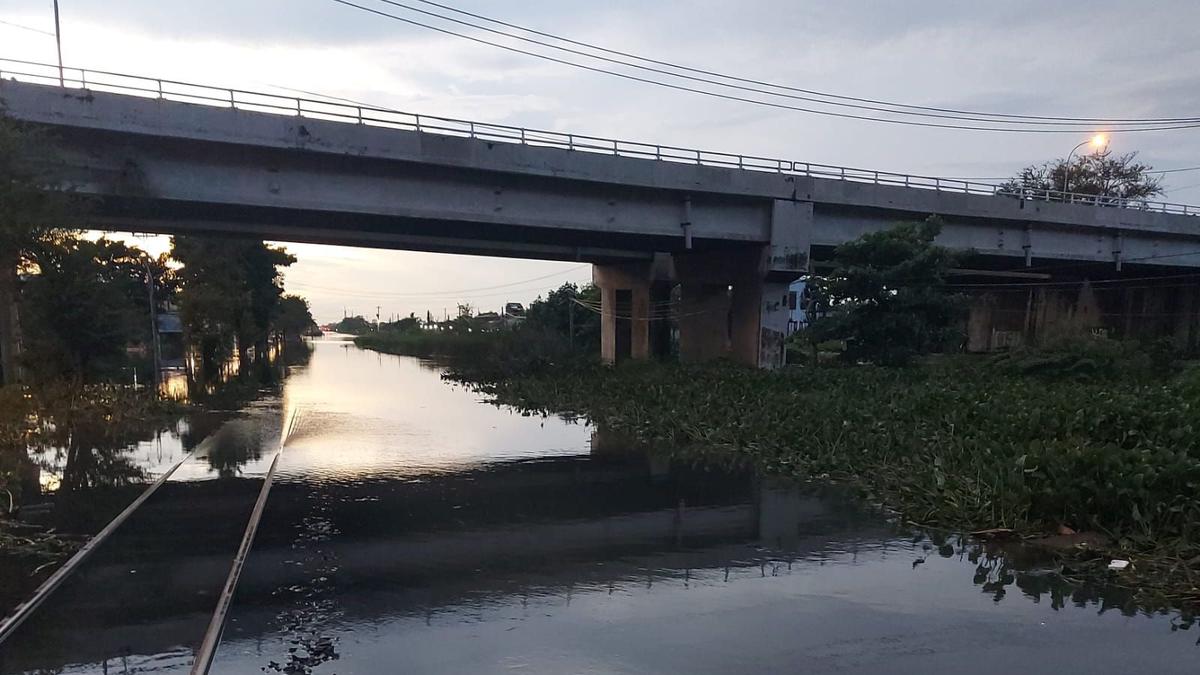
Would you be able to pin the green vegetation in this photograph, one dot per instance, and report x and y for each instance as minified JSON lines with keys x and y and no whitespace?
{"x":560,"y":313}
{"x":84,"y":304}
{"x":293,"y":319}
{"x":961,"y":444}
{"x":1100,"y":173}
{"x":353,"y":325}
{"x":885,"y":299}
{"x":1086,"y":435}
{"x":492,"y":354}
{"x":230,"y":292}
{"x":31,"y":204}
{"x":554,"y":333}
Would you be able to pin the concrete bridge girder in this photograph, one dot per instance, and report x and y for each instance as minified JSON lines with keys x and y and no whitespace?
{"x":147,"y":179}
{"x":737,"y":237}
{"x":1017,"y":239}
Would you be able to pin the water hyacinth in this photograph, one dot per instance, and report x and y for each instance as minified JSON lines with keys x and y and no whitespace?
{"x":962,"y":446}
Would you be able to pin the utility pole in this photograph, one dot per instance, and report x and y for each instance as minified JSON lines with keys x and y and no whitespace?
{"x":153,"y":323}
{"x":571,"y":322}
{"x":58,"y":41}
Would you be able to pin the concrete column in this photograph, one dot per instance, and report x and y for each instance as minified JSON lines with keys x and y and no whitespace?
{"x":733,"y":301}
{"x":729,"y":309}
{"x":758,"y":322}
{"x":1187,"y":327}
{"x":625,"y":311}
{"x":979,"y":323}
{"x":703,"y":320}
{"x":1189,"y":333}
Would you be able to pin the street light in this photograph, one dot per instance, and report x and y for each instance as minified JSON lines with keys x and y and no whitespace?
{"x":1098,"y":141}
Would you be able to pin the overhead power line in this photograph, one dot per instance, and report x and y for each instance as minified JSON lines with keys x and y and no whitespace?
{"x":783,"y":87}
{"x":743,"y":99}
{"x":28,"y":28}
{"x":872,"y":104}
{"x":968,"y":117}
{"x":1186,"y":168}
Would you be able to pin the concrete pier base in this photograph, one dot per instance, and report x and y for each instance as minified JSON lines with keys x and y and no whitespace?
{"x":633,"y":300}
{"x":1142,"y":310}
{"x":731,"y":308}
{"x":703,"y":321}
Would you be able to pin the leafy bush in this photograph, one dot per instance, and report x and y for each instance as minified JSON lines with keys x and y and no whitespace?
{"x":886,"y":297}
{"x":1087,"y":357}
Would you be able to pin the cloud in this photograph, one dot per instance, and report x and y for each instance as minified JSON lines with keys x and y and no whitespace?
{"x":1105,"y":58}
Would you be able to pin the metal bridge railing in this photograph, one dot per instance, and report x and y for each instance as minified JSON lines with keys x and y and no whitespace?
{"x":173,"y":90}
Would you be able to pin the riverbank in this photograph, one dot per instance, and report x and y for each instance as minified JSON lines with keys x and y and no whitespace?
{"x":1096,"y":468}
{"x":492,"y":355}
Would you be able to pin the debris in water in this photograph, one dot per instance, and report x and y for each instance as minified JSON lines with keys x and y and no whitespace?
{"x":1118,"y":565}
{"x":995,"y":533}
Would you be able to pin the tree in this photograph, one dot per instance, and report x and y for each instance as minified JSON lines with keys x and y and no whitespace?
{"x":210,"y":295}
{"x":292,"y":318}
{"x":559,"y":313}
{"x":229,"y":293}
{"x":84,"y":303}
{"x":408,"y":324}
{"x":1100,"y":174}
{"x":264,"y":286}
{"x":30,"y":204}
{"x":353,"y":325}
{"x":885,"y":297}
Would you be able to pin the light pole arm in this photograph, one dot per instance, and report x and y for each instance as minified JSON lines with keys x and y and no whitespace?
{"x":1067,"y":166}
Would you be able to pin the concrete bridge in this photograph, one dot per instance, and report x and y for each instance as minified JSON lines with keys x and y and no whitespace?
{"x":732,"y":231}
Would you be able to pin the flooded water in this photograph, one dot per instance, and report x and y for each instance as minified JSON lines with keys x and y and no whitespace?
{"x":413,"y":528}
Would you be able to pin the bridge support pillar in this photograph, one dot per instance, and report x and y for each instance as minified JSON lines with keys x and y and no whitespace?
{"x":728,"y":309}
{"x":629,"y":322}
{"x":734,"y":302}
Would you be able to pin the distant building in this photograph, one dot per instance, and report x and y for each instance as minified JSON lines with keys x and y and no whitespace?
{"x":489,"y":320}
{"x":170,"y":339}
{"x":797,"y":306}
{"x":514,"y":314}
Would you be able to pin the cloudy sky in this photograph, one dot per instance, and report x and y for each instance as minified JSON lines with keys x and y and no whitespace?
{"x":1097,"y":58}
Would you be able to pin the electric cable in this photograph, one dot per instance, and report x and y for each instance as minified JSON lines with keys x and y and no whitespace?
{"x":28,"y":28}
{"x":741,"y":99}
{"x":786,"y":87}
{"x":1081,"y":126}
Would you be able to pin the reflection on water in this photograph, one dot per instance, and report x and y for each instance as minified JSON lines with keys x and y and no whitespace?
{"x":87,"y":451}
{"x":416,"y":529}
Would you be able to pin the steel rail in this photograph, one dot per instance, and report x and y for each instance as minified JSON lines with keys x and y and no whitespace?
{"x":216,"y":627}
{"x":23,"y":611}
{"x":340,"y":111}
{"x":207,"y":652}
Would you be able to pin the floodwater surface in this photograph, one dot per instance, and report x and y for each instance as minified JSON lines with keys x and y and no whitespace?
{"x":414,"y":528}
